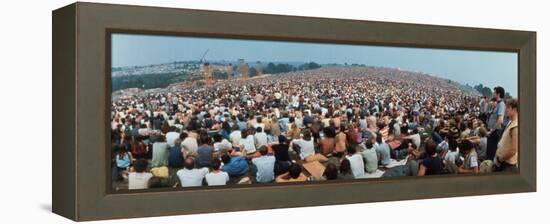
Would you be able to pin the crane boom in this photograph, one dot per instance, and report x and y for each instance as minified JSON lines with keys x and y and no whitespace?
{"x":204,"y":55}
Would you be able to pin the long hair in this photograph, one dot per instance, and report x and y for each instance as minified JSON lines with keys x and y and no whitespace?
{"x":122,"y":152}
{"x":345,"y":167}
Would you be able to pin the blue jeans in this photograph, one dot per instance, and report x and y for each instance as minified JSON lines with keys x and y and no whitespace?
{"x":225,"y":134}
{"x":436,"y":137}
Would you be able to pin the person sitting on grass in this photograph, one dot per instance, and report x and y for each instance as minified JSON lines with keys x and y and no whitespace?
{"x":175,"y":157}
{"x":189,"y":144}
{"x":470,"y":164}
{"x":234,"y":165}
{"x":160,"y":152}
{"x":480,"y":142}
{"x":260,"y":138}
{"x":190,"y":176}
{"x":307,"y":148}
{"x":340,"y":147}
{"x":331,"y":172}
{"x":345,"y":170}
{"x":282,"y":157}
{"x":216,"y":177}
{"x":246,"y":143}
{"x":205,"y":150}
{"x":328,"y":143}
{"x":432,"y":164}
{"x":235,"y":136}
{"x":221,"y":143}
{"x":139,"y":178}
{"x":265,"y":166}
{"x":452,"y":154}
{"x":356,"y":161}
{"x":370,"y":157}
{"x":293,"y":175}
{"x":383,"y":151}
{"x":123,"y":161}
{"x":139,"y":149}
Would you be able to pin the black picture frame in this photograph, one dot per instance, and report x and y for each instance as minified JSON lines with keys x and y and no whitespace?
{"x":81,"y":99}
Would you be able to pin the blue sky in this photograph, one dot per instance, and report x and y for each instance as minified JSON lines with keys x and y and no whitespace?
{"x":465,"y":66}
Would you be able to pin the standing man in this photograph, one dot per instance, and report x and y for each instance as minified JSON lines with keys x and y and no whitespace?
{"x":484,"y":108}
{"x":507,"y":152}
{"x":495,"y":122}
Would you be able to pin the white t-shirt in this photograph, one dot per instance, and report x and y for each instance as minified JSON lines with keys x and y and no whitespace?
{"x":224,"y":144}
{"x":235,"y":138}
{"x":307,"y":148}
{"x":138,"y":180}
{"x":171,"y":122}
{"x":192,"y":178}
{"x":248,"y":144}
{"x":357,"y":165}
{"x":451,"y":156}
{"x":190,"y":144}
{"x":260,"y":138}
{"x":415,"y":138}
{"x":216,"y":179}
{"x":171,"y":138}
{"x":473,"y":161}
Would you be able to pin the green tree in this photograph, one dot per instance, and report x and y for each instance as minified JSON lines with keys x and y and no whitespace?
{"x":252,"y":72}
{"x":484,"y":90}
{"x":146,"y":81}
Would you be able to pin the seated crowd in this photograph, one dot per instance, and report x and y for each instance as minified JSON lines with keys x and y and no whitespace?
{"x":274,"y":132}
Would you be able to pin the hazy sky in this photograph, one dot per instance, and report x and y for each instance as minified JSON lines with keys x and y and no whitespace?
{"x":465,"y":66}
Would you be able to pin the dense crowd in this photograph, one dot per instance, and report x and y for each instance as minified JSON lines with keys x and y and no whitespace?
{"x":317,"y":125}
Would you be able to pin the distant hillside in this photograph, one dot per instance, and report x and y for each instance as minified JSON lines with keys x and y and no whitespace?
{"x":164,"y":80}
{"x":146,"y":81}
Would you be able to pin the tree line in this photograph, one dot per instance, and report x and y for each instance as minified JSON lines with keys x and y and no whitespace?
{"x":162,"y":80}
{"x":273,"y":68}
{"x":146,"y":81}
{"x":487,"y":91}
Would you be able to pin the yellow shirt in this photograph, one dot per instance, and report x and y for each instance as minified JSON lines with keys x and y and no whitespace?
{"x":266,"y":123}
{"x":160,"y":171}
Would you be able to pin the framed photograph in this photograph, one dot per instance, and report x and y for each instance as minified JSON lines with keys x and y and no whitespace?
{"x":161,"y":111}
